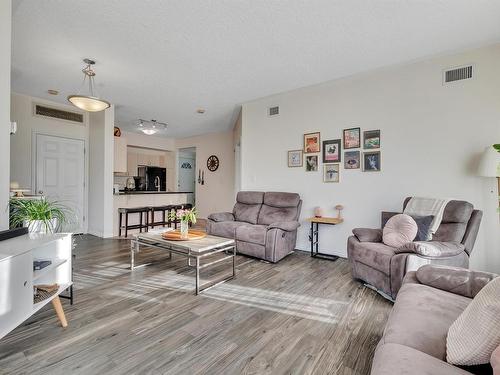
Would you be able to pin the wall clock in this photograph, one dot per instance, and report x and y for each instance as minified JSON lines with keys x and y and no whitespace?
{"x":212,"y":163}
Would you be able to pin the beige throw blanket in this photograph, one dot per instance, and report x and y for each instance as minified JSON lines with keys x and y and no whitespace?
{"x":418,"y":206}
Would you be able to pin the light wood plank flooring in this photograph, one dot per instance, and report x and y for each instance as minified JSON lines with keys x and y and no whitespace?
{"x":300,"y":316}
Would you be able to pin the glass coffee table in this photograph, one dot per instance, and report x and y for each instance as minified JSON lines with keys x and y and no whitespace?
{"x":194,"y":250}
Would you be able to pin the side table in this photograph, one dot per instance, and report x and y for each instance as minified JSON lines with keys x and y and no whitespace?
{"x":314,"y":235}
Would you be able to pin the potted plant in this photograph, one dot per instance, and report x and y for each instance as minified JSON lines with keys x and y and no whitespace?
{"x":184,"y":216}
{"x":39,"y":215}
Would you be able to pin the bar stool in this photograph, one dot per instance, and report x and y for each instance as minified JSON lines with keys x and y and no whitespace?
{"x":142,"y":211}
{"x":165,"y":210}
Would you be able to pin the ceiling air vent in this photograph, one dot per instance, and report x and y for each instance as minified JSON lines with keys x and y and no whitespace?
{"x":274,"y":111}
{"x":41,"y":110}
{"x":457,"y":74}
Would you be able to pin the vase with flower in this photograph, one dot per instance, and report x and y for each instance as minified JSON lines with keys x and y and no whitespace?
{"x":184,"y":217}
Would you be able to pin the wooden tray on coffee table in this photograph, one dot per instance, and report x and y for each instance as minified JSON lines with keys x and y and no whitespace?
{"x":175,"y":235}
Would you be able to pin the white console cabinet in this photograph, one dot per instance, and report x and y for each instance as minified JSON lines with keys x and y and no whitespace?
{"x":17,"y":277}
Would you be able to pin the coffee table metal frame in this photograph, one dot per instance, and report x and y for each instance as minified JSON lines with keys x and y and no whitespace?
{"x":180,"y":248}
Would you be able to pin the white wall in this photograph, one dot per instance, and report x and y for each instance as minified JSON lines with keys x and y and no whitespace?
{"x":5,"y":53}
{"x":218,"y":192}
{"x":101,"y":142}
{"x":432,"y":136}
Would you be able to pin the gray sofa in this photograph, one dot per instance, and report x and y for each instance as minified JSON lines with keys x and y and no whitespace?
{"x":430,"y":300}
{"x":384,"y":267}
{"x":264,"y":225}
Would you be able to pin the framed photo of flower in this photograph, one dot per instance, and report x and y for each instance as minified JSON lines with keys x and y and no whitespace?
{"x":312,"y":143}
{"x":371,"y":161}
{"x":311,"y":163}
{"x":331,"y":172}
{"x":295,"y":158}
{"x":352,"y":138}
{"x":371,"y":139}
{"x":332,"y":151}
{"x":352,"y":160}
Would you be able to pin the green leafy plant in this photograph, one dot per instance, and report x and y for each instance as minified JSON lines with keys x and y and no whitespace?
{"x":31,"y":210}
{"x":497,"y":147}
{"x":185,"y":215}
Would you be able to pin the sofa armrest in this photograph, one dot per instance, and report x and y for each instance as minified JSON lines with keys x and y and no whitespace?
{"x":221,"y":216}
{"x":432,"y":248}
{"x":368,"y":234}
{"x":287,"y":226}
{"x":455,"y":280}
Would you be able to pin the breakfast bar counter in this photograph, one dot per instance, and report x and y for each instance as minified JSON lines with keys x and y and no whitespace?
{"x":146,"y":199}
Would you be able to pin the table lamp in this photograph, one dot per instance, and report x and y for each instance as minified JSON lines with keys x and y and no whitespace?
{"x":489,"y":165}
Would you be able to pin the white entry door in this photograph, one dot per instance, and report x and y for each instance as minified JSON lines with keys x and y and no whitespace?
{"x":60,"y":175}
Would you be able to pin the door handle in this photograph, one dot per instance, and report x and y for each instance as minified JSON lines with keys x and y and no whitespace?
{"x":40,"y":192}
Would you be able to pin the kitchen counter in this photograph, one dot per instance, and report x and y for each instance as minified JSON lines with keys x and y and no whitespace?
{"x":152,"y":192}
{"x":146,"y":199}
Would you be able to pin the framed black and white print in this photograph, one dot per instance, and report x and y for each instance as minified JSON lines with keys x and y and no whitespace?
{"x":332,"y":151}
{"x":371,"y":161}
{"x":331,"y":172}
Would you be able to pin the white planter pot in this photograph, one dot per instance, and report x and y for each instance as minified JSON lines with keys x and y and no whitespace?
{"x":37,"y":226}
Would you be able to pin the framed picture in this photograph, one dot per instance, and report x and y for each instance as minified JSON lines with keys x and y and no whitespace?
{"x":311,"y":143}
{"x":295,"y":158}
{"x":311,"y":163}
{"x":332,"y":151}
{"x":331,"y":173}
{"x":371,"y":161}
{"x":352,"y":160}
{"x":352,"y":138}
{"x":371,"y":139}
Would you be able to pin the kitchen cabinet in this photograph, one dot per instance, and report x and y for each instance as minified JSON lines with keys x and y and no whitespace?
{"x":120,"y":155}
{"x":132,"y":163}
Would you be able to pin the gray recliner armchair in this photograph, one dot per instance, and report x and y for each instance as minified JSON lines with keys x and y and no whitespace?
{"x":264,"y":225}
{"x":384,"y":267}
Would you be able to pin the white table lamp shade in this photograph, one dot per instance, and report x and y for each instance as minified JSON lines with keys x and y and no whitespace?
{"x":489,"y":165}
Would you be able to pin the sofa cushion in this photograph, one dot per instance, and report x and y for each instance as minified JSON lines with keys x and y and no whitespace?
{"x":399,"y":230}
{"x":252,"y":233}
{"x":248,"y":213}
{"x":279,"y":199}
{"x":475,"y":334}
{"x":421,"y":318}
{"x":432,"y":248}
{"x":269,"y":214}
{"x":424,"y":224}
{"x":368,"y":234}
{"x":392,"y":359}
{"x":374,"y":254}
{"x":250,"y":197}
{"x":225,"y":229}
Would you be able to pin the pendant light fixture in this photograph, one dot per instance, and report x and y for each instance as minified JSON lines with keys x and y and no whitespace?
{"x":89,"y":101}
{"x":151,"y":127}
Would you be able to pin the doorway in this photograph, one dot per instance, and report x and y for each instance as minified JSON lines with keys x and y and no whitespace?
{"x":60,"y":176}
{"x":186,"y":172}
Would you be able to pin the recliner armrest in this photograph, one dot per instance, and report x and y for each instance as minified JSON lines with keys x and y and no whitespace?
{"x":432,"y":248}
{"x":368,"y":234}
{"x":455,"y":280}
{"x":221,"y":216}
{"x":287,"y":226}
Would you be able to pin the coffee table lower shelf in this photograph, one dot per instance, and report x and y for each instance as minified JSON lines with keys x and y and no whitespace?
{"x":194,"y":251}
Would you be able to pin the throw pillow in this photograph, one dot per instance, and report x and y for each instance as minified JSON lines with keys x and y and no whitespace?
{"x":424,"y":227}
{"x":475,"y":334}
{"x":399,"y":230}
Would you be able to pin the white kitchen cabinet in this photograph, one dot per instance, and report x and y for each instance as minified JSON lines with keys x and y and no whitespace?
{"x":132,"y":163}
{"x":120,"y":161}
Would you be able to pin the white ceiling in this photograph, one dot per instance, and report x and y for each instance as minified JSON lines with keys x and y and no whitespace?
{"x":164,"y":59}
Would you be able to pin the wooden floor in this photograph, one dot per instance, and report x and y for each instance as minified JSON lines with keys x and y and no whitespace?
{"x":300,"y":316}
